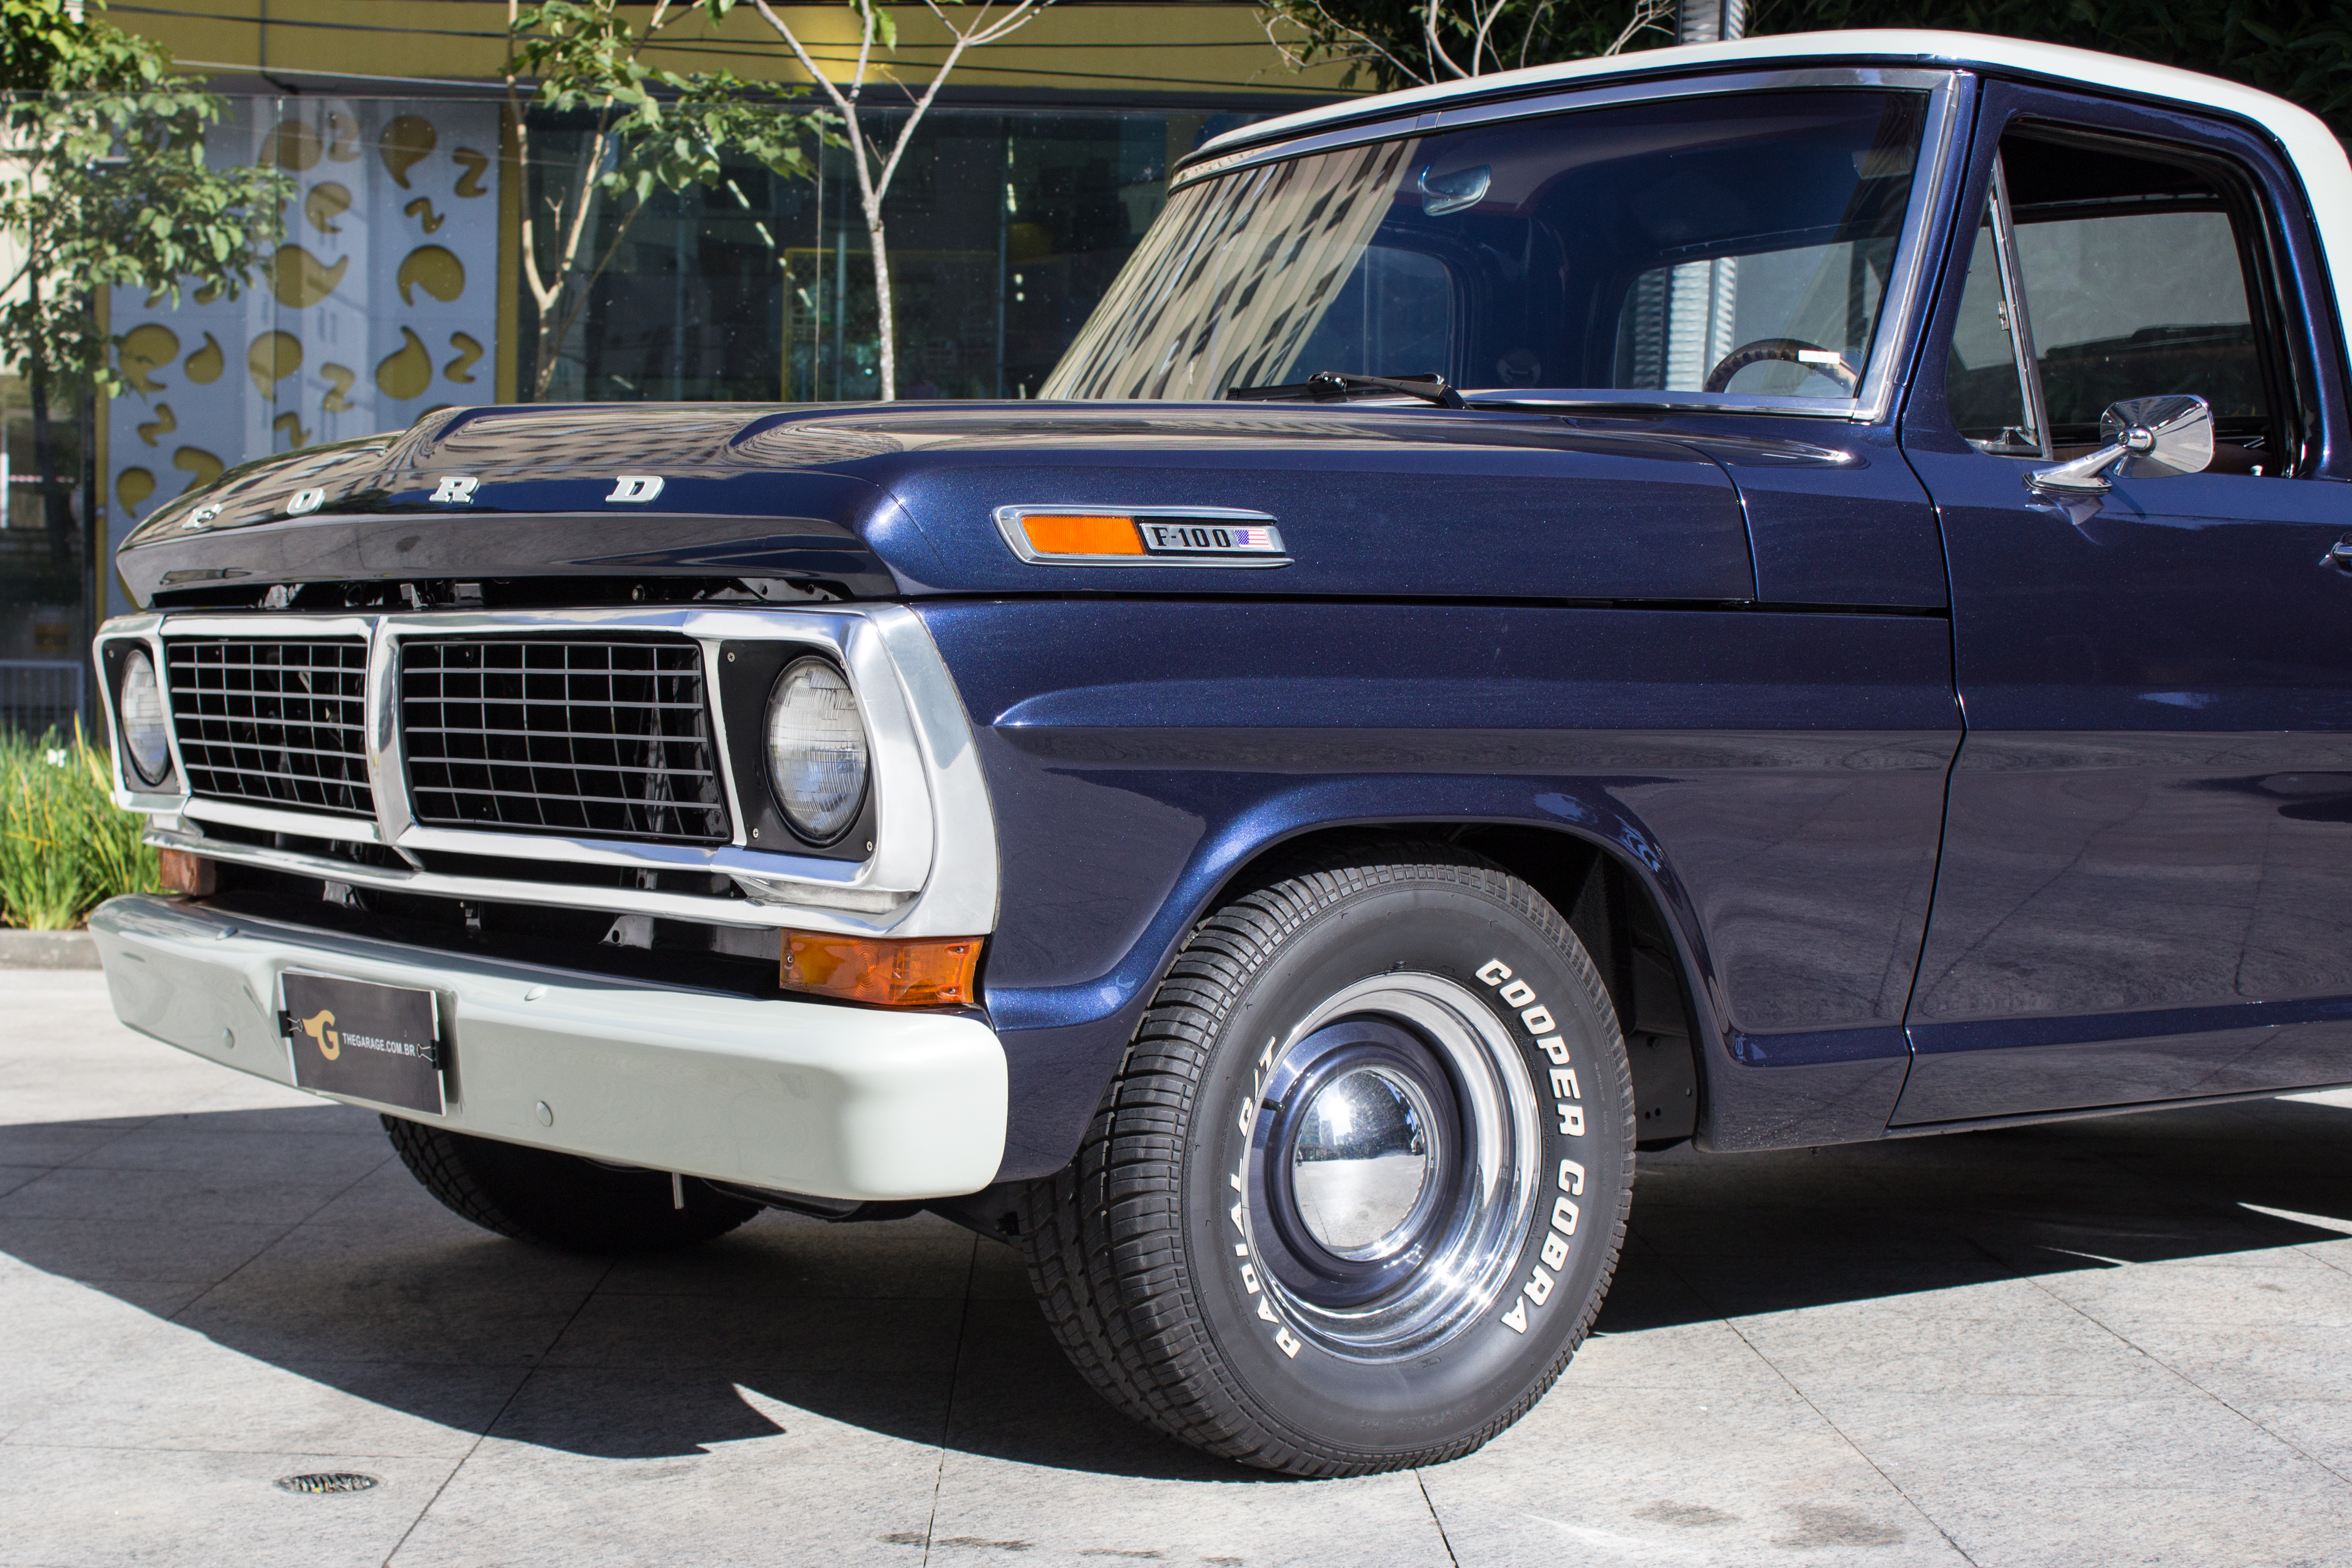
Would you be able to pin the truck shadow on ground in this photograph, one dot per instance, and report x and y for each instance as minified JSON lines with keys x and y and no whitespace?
{"x":289,"y":1237}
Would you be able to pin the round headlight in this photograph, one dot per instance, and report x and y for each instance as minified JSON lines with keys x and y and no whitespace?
{"x":139,"y":704}
{"x":816,"y":749}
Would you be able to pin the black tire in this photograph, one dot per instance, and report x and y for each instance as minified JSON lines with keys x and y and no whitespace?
{"x":561,"y":1200}
{"x":1146,"y":1265}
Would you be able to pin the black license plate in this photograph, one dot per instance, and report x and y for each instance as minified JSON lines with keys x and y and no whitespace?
{"x":369,"y":1041}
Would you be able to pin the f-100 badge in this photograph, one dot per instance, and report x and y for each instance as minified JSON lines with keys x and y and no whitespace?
{"x":1201,"y":536}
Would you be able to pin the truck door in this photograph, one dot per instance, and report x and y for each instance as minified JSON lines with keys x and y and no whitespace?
{"x":2146,"y":886}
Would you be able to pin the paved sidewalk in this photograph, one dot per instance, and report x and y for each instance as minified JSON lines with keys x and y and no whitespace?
{"x":2115,"y":1342}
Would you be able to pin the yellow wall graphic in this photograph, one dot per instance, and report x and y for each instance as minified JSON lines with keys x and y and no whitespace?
{"x":407,"y":141}
{"x":204,"y":366}
{"x":469,"y":353}
{"x":201,"y":467}
{"x":433,"y":270}
{"x":327,"y":201}
{"x":405,"y":375}
{"x":338,"y":378}
{"x":301,"y":279}
{"x":132,"y":487}
{"x":422,"y":210}
{"x":273,"y":357}
{"x":163,"y":424}
{"x":145,"y":349}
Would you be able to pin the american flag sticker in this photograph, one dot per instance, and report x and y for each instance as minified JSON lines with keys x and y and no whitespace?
{"x":1208,"y":536}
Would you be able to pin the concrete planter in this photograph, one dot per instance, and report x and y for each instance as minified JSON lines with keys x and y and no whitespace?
{"x":47,"y":950}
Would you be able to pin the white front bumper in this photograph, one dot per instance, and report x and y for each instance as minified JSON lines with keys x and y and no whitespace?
{"x":803,"y":1097}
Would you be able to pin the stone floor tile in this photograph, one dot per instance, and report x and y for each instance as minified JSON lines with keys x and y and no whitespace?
{"x":1612,"y":1476}
{"x":2028,"y":1355}
{"x":197,"y":1509}
{"x":2190,"y":1523}
{"x":2053,"y":1443}
{"x":177,"y":1390}
{"x":2278,"y":1292}
{"x":601,"y":1469}
{"x":1079,"y":1519}
{"x":778,"y":1255}
{"x":135,"y":1247}
{"x":80,"y":1192}
{"x":730,"y":1334}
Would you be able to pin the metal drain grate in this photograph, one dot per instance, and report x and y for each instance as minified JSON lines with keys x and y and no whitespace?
{"x":319,"y":1483}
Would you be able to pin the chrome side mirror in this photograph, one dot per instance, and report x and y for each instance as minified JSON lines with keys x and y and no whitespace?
{"x":2147,"y":438}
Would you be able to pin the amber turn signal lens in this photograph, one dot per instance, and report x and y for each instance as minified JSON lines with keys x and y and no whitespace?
{"x":1082,"y":533}
{"x":185,"y":873}
{"x":927,"y":972}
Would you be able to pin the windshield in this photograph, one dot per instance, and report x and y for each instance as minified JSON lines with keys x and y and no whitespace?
{"x":1724,"y":249}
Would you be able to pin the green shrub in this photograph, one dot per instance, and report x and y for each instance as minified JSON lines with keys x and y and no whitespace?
{"x":64,"y":847}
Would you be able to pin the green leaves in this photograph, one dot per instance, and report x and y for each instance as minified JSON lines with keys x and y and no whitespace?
{"x":672,"y":129}
{"x":106,"y":183}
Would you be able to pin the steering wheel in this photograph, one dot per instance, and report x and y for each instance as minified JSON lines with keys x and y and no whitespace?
{"x":1795,"y":351}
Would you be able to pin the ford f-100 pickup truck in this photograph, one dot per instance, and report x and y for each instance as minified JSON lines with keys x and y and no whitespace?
{"x":1764,"y":594}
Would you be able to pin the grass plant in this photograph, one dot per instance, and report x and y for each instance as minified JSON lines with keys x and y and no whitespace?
{"x":65,"y":846}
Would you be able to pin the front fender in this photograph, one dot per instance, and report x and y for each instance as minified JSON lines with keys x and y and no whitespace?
{"x":1776,"y":780}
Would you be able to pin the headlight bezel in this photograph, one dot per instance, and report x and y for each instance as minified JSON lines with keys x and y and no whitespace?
{"x":750,"y":674}
{"x":115,"y":668}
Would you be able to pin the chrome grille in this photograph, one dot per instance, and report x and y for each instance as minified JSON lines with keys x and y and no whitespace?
{"x":594,"y":737}
{"x":273,"y":723}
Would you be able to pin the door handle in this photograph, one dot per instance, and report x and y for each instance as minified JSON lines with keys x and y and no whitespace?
{"x":2339,"y":555}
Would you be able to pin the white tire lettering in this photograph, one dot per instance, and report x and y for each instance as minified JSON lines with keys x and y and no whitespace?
{"x":1266,"y":1311}
{"x":1555,"y":1249}
{"x":1494,"y":971}
{"x":1563,"y":1083}
{"x":1555,"y":1048}
{"x":1563,"y":1215}
{"x":1538,"y":1019}
{"x":1539,"y":1286}
{"x":1572,"y":1176}
{"x":1516,"y":1320}
{"x":1518,"y":994}
{"x":1249,"y":1278}
{"x":1571,"y":1120}
{"x":1288,"y":1342}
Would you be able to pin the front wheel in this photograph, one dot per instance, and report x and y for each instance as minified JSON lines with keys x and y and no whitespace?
{"x":1356,"y":1193}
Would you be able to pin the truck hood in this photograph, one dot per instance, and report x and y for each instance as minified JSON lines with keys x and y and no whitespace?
{"x":900,"y":500}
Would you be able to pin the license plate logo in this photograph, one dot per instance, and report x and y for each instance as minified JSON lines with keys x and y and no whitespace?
{"x":366,"y":1040}
{"x":1181,"y":536}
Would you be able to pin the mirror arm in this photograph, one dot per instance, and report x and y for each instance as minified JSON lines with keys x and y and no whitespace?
{"x":2084,"y":475}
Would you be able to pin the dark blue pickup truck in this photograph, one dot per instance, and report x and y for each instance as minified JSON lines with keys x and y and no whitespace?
{"x":1767,"y":594}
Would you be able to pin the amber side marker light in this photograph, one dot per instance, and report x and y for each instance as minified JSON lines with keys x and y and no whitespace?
{"x":1082,"y":533}
{"x":183,"y":872}
{"x":925,"y":972}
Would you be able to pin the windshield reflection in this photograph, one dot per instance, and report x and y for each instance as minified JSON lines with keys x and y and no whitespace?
{"x":1721,"y":248}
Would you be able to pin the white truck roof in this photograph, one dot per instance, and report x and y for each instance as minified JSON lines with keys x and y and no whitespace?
{"x":2318,"y":157}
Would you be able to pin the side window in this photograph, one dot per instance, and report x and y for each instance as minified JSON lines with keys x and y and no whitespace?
{"x":1981,"y":383}
{"x":2126,"y":276}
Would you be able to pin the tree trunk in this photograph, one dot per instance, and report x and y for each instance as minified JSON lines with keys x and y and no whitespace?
{"x":885,"y":318}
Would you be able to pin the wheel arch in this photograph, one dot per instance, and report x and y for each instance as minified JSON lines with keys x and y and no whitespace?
{"x":1647,"y":961}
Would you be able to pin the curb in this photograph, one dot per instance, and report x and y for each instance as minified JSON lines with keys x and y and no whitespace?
{"x":47,"y":950}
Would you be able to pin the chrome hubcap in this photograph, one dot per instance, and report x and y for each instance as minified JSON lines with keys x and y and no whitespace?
{"x":1360,"y":1165}
{"x":1393,"y":1166}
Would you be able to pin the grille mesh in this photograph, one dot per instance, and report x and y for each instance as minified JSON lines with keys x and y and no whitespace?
{"x":560,"y":735}
{"x":274,"y":723}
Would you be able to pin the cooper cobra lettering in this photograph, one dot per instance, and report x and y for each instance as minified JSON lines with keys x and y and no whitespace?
{"x":1568,"y":1097}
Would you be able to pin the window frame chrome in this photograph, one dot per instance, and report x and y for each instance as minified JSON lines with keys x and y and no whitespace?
{"x":1907,"y":286}
{"x":932,"y":871}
